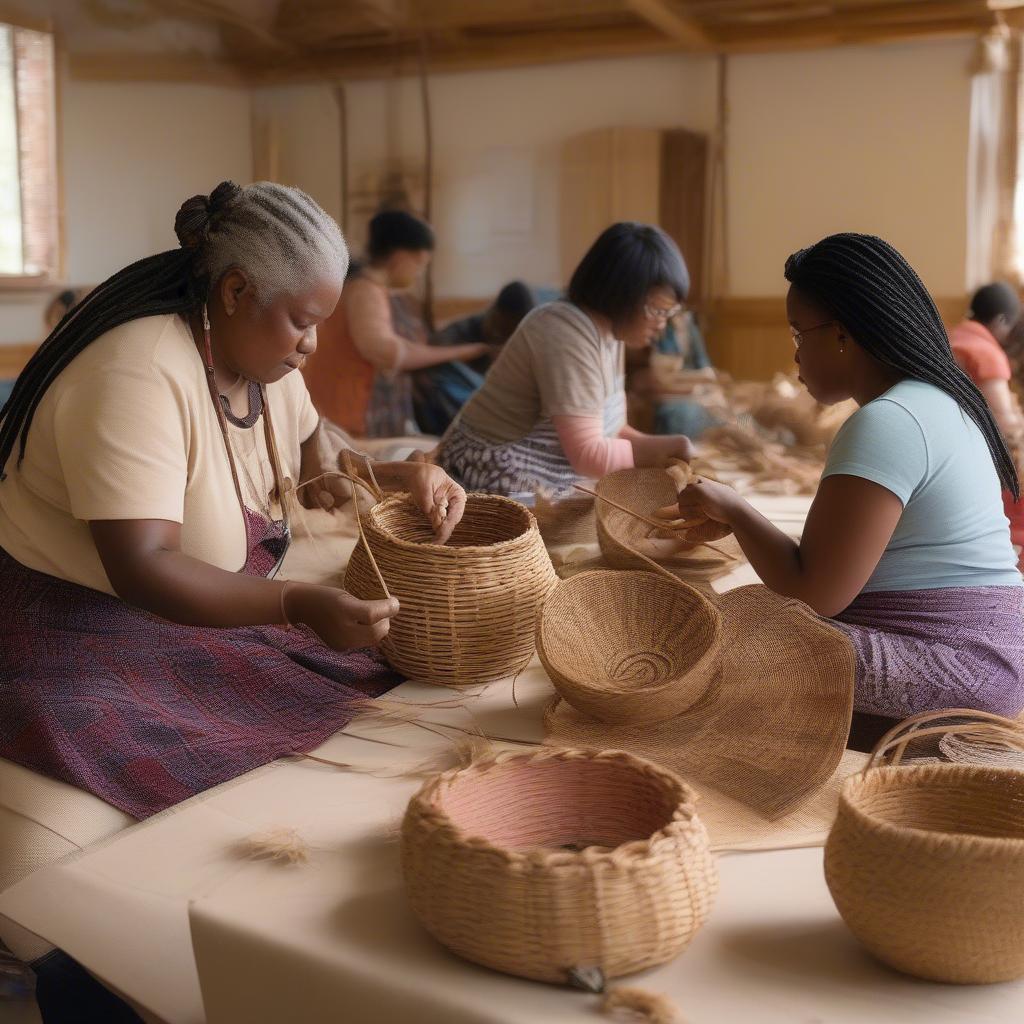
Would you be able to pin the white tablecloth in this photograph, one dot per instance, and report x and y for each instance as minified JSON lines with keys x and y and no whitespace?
{"x":334,"y":939}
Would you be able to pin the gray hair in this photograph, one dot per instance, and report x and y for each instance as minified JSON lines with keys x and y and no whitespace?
{"x":277,"y":235}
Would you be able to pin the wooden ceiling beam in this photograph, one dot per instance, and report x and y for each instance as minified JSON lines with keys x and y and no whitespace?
{"x":507,"y":50}
{"x":670,"y":22}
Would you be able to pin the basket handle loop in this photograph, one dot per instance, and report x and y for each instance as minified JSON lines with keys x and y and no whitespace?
{"x":980,"y":723}
{"x":375,"y":492}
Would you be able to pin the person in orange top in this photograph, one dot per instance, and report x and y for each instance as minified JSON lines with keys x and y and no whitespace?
{"x":977,"y":344}
{"x":360,"y":376}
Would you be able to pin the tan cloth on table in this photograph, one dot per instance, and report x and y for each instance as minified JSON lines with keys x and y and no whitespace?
{"x":556,"y":364}
{"x":129,"y":431}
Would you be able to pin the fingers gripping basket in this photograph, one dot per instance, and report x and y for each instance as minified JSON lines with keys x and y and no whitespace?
{"x":651,"y":646}
{"x":926,"y":862}
{"x":468,"y":608}
{"x":620,"y":534}
{"x":534,"y":864}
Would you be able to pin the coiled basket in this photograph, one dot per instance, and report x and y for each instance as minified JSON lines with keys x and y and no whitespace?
{"x":534,"y":864}
{"x":629,"y":648}
{"x":926,"y":862}
{"x":468,"y":608}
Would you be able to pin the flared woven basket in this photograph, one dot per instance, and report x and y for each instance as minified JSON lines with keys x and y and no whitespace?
{"x":629,"y":648}
{"x":534,"y":864}
{"x":468,"y":608}
{"x":620,"y":534}
{"x":926,"y":862}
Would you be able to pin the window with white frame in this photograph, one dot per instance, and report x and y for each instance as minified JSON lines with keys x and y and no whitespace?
{"x":29,"y":212}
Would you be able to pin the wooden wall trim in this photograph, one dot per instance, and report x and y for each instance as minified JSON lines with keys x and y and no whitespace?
{"x":749,"y":338}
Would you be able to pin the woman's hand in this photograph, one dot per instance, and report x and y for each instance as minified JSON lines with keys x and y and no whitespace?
{"x":339,"y":619}
{"x":655,"y":450}
{"x":321,"y":455}
{"x":442,"y":500}
{"x":711,"y":499}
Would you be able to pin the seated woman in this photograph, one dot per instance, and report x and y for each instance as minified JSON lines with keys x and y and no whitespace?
{"x":978,"y":347}
{"x":151,"y":450}
{"x":906,"y":546}
{"x":441,"y":391}
{"x":361,"y":377}
{"x":552,"y":409}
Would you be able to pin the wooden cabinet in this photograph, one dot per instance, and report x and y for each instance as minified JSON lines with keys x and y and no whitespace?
{"x":644,"y":174}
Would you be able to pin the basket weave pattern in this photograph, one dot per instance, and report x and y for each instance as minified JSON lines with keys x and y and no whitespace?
{"x":651,"y":649}
{"x":620,"y":535}
{"x":926,"y":866}
{"x":535,"y":863}
{"x":469,"y":608}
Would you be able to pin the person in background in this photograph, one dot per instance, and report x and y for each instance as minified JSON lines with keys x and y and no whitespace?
{"x":360,"y":378}
{"x":552,"y":408}
{"x":441,"y":391}
{"x":978,"y":344}
{"x":906,"y":548}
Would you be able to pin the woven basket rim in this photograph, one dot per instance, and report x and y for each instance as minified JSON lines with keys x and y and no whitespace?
{"x":578,"y":579}
{"x":445,"y":551}
{"x":928,"y":836}
{"x":633,"y":853}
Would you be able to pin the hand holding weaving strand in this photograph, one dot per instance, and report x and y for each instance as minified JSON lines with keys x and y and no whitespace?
{"x":710,"y":499}
{"x":339,"y":619}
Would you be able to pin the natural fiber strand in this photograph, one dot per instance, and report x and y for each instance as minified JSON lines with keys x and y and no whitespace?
{"x":281,"y":844}
{"x":638,"y":1004}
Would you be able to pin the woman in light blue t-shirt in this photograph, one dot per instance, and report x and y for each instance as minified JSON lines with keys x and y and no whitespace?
{"x":906,"y":546}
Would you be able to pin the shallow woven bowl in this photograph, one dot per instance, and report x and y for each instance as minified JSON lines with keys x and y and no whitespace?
{"x":535,"y":863}
{"x":468,"y":608}
{"x":643,"y":491}
{"x":926,"y":866}
{"x":628,"y":648}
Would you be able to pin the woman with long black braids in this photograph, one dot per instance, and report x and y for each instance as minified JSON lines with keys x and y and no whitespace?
{"x":906,"y":545}
{"x":150,"y":452}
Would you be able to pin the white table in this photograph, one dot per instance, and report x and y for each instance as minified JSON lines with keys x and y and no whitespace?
{"x":334,"y":939}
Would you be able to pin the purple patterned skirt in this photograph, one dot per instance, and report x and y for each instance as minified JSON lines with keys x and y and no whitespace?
{"x":145,"y":713}
{"x":923,"y":650}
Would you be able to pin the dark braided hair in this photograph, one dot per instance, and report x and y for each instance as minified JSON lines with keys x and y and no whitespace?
{"x":277,"y":235}
{"x":874,"y":293}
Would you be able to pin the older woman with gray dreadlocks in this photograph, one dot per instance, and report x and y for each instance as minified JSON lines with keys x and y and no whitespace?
{"x":906,"y":545}
{"x":150,"y":452}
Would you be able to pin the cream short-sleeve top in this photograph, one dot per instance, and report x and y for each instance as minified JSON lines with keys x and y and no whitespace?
{"x":129,"y":431}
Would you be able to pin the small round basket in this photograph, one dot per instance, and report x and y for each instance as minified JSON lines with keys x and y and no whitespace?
{"x":620,"y":535}
{"x":468,"y":608}
{"x":534,"y":864}
{"x":926,"y":862}
{"x":629,"y":648}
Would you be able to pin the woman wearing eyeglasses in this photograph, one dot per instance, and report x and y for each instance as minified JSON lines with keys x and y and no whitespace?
{"x":906,"y":545}
{"x":552,"y":409}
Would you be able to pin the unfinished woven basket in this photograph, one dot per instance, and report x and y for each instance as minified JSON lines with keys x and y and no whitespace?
{"x":620,"y":535}
{"x":926,"y":862}
{"x":468,"y":608}
{"x":537,"y":863}
{"x":629,"y":648}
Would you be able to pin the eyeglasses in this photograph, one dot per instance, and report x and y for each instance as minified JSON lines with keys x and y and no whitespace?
{"x":798,"y":336}
{"x":662,"y":315}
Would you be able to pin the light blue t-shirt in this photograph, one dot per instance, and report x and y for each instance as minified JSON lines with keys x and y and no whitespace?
{"x":917,"y":442}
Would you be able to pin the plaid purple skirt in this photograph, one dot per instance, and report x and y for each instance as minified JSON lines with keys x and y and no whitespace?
{"x":924,"y":650}
{"x":145,"y":713}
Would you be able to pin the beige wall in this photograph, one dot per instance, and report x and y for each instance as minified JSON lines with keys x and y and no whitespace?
{"x":496,"y":141}
{"x":865,"y":138}
{"x":131,"y":154}
{"x":869,"y":139}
